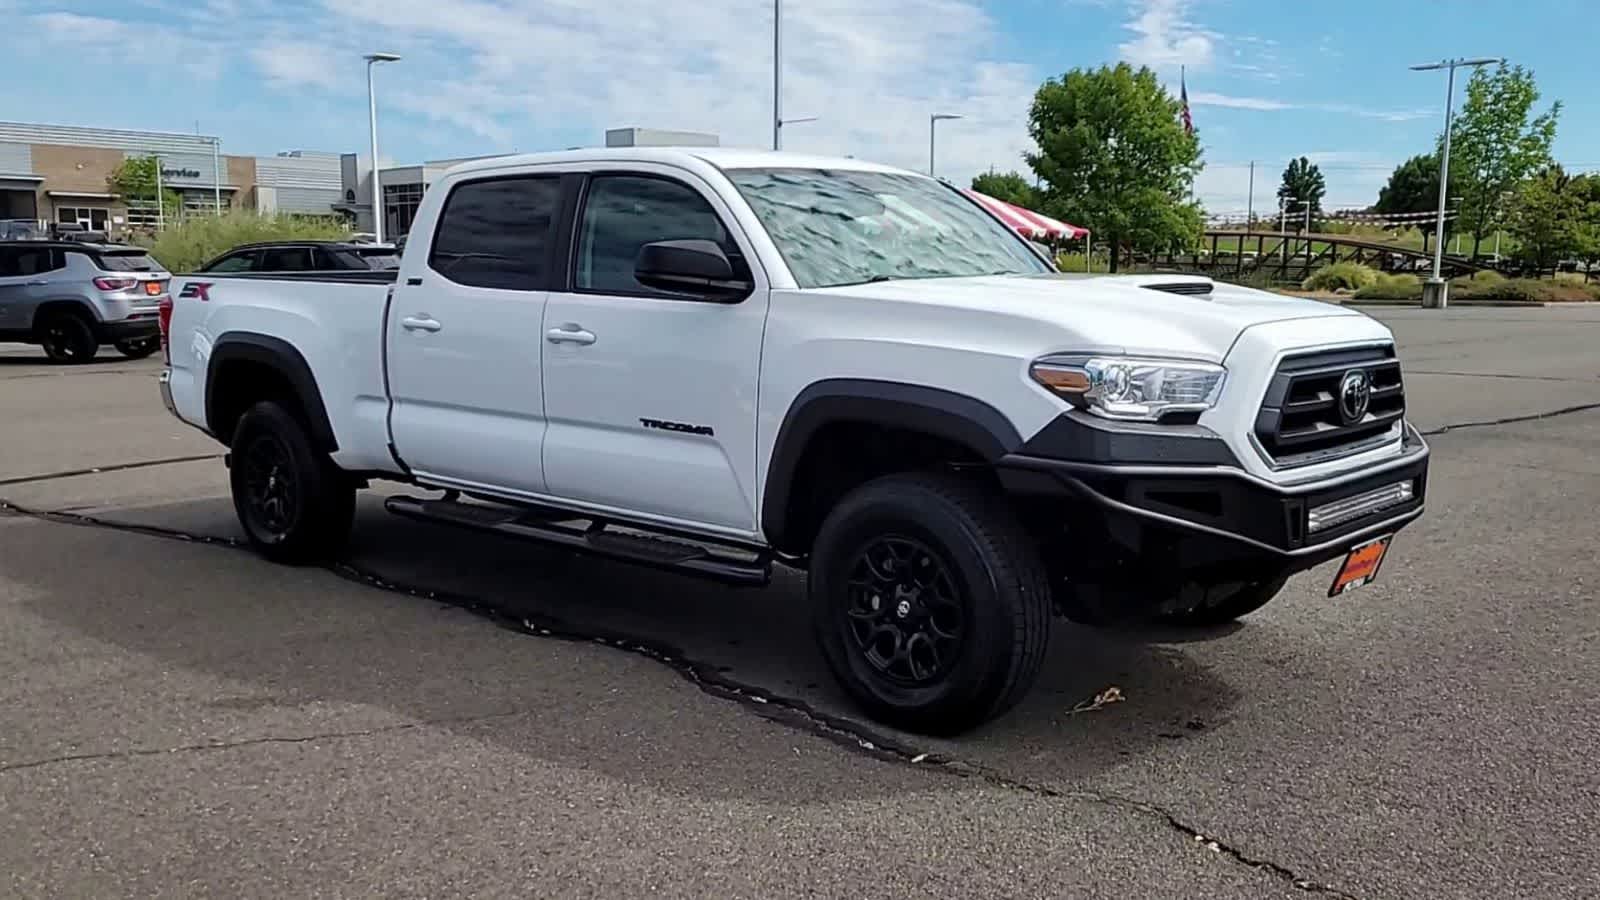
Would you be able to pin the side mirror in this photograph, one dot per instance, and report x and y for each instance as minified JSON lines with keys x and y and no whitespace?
{"x":696,"y":267}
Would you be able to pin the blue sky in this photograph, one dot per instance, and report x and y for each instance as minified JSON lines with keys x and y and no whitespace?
{"x":1267,"y":80}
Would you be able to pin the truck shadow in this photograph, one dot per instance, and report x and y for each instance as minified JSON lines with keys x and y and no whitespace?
{"x":756,"y":637}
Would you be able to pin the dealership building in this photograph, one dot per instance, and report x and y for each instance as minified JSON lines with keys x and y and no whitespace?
{"x":58,"y":174}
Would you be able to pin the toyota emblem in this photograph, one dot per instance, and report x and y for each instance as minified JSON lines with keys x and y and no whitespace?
{"x":1355,"y":393}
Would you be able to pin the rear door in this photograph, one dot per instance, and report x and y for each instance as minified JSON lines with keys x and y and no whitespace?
{"x":464,"y":334}
{"x":29,"y":275}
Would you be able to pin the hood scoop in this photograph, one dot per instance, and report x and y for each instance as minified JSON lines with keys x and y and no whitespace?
{"x":1187,"y":288}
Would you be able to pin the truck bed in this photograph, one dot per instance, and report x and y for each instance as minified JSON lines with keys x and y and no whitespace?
{"x":372,"y":276}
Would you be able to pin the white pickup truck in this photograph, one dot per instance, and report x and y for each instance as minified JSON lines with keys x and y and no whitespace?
{"x":715,"y":361}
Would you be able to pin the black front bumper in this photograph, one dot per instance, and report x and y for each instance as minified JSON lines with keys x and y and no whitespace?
{"x":1216,"y":520}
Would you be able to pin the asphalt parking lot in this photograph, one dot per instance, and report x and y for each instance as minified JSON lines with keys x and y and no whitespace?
{"x":449,"y":714}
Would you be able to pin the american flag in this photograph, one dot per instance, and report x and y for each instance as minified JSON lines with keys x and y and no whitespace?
{"x":1183,"y":95}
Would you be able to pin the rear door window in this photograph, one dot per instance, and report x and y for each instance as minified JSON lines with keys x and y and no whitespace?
{"x":496,"y":233}
{"x":237,"y":262}
{"x":21,"y":262}
{"x":287,"y":259}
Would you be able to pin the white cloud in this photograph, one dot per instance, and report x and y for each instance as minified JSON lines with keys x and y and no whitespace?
{"x":292,"y":64}
{"x":509,"y":71}
{"x":1268,"y":104}
{"x":1166,"y":39}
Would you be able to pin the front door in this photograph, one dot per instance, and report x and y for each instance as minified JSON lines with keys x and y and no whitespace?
{"x":651,"y":396}
{"x":464,"y":335}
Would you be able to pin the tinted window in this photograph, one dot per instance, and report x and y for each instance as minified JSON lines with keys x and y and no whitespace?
{"x":238,"y":262}
{"x":22,"y":261}
{"x":287,"y":259}
{"x":623,"y":213}
{"x":495,"y":234}
{"x":335,"y":258}
{"x":128,"y":262}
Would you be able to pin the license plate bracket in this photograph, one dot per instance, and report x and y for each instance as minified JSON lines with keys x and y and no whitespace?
{"x":1360,"y":566}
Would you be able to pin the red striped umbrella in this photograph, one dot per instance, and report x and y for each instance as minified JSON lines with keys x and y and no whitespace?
{"x":1025,"y":221}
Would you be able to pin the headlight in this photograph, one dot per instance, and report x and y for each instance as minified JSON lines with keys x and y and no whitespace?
{"x":1141,"y":390}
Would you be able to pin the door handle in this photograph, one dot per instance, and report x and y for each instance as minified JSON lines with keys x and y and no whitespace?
{"x":569,"y":334}
{"x":423,"y":322}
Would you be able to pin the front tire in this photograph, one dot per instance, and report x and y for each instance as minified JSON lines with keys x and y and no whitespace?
{"x":1221,"y":604}
{"x":294,"y":504}
{"x":930,"y":604}
{"x":138,"y":348}
{"x":67,"y":338}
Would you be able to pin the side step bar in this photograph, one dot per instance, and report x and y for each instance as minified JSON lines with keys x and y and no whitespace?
{"x":730,"y":565}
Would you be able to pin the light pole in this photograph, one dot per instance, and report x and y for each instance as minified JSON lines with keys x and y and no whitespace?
{"x":1436,"y":292}
{"x":933,"y":120}
{"x":372,"y":118}
{"x":216,"y":174}
{"x":778,"y":121}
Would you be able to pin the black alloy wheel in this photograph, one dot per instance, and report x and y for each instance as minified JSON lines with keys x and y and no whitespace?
{"x":67,"y":338}
{"x":272,"y":495}
{"x":904,"y":612}
{"x":293,"y":503}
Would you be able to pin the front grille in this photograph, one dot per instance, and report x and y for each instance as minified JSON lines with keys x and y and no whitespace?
{"x":1301,"y":420}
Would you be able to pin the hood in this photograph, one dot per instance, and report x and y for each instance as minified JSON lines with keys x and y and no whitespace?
{"x":1172,"y":315}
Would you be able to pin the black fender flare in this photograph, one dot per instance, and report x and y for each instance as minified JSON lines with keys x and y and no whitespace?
{"x":944,"y":414}
{"x":280,"y":356}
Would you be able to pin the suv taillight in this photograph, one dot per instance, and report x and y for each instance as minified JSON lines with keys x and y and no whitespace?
{"x":115,"y":284}
{"x":166,"y":326}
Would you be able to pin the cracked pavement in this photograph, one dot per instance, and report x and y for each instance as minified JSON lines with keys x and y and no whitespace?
{"x":455,"y":714}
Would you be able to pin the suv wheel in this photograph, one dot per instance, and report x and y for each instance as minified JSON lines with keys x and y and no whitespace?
{"x":929,"y":602}
{"x":294,"y":504}
{"x":138,"y":348}
{"x":1221,"y":604}
{"x":67,"y":338}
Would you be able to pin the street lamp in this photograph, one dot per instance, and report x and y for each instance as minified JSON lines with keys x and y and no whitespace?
{"x":1435,"y":292}
{"x":932,"y":121}
{"x":372,"y":116}
{"x":778,"y":121}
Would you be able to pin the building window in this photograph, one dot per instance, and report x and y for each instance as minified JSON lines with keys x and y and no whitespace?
{"x":92,"y":218}
{"x":400,"y":202}
{"x":204,"y":202}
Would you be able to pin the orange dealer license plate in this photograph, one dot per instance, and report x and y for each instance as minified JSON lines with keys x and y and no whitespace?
{"x":1360,"y":566}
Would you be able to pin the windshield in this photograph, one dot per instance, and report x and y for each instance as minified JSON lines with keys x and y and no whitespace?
{"x":133,"y":261}
{"x":845,"y":227}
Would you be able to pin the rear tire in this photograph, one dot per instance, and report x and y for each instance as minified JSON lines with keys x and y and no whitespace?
{"x":138,"y":348}
{"x":294,"y":504}
{"x":67,"y":338}
{"x":1222,"y":604}
{"x":929,"y":602}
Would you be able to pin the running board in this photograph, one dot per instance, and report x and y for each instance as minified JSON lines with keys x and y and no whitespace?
{"x":730,"y":565}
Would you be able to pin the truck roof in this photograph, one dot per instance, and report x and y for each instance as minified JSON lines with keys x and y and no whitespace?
{"x":719,"y":157}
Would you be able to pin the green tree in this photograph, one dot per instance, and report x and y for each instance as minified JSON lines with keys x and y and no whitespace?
{"x":1413,"y":188}
{"x":1008,"y":186}
{"x":1552,"y":218}
{"x":135,"y":179}
{"x":1302,"y":183}
{"x":1496,"y":143}
{"x":1115,"y":158}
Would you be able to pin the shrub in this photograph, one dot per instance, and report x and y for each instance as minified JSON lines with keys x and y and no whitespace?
{"x":1476,"y":281}
{"x":186,"y":245}
{"x":1392,"y":287}
{"x":1347,"y":276}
